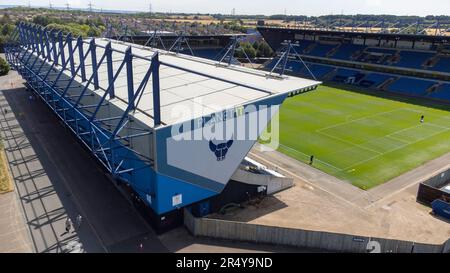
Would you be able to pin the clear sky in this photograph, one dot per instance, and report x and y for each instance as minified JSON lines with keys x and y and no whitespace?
{"x":267,"y":7}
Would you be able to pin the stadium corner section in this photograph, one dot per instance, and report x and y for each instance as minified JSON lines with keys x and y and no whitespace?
{"x":189,"y":173}
{"x":179,"y":174}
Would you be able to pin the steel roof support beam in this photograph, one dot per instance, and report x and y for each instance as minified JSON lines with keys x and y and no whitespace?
{"x":109,"y":69}
{"x":130,"y":80}
{"x":156,"y":90}
{"x":93,"y":48}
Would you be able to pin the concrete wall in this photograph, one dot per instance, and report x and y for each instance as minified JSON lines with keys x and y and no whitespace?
{"x":240,"y":231}
{"x":274,"y":184}
{"x":439,"y":180}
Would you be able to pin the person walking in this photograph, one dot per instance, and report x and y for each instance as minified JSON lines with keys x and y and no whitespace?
{"x":422,"y":119}
{"x":79,"y":219}
{"x":68,"y":225}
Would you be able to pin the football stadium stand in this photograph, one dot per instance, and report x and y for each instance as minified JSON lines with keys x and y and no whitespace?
{"x":442,"y":92}
{"x":443,"y":65}
{"x":375,"y":80}
{"x":347,"y":51}
{"x":411,"y":86}
{"x":413,"y":59}
{"x":321,"y":50}
{"x":414,"y":65}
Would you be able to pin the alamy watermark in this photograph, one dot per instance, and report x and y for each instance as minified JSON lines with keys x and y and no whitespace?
{"x":253,"y":122}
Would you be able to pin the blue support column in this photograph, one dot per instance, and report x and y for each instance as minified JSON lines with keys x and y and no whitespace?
{"x":130,"y":81}
{"x":31,"y":38}
{"x":156,"y":90}
{"x":93,"y":48}
{"x":70,"y":48}
{"x":55,"y":54}
{"x":81,"y":58}
{"x":20,"y":29}
{"x":36,"y":40}
{"x":47,"y":45}
{"x":109,"y":66}
{"x":41,"y":41}
{"x":61,"y":48}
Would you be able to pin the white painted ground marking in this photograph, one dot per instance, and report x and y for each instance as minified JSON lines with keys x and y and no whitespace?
{"x":358,"y":119}
{"x":307,"y":156}
{"x":397,"y":148}
{"x":348,"y":142}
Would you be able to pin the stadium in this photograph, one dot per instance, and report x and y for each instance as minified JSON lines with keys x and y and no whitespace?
{"x":364,"y":124}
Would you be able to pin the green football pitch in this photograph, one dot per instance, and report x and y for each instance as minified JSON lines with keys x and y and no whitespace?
{"x":362,"y":138}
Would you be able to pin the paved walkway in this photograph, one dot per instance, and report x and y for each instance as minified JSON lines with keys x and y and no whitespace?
{"x":14,"y":236}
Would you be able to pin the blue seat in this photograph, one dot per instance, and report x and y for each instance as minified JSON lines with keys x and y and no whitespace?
{"x":319,"y":71}
{"x":381,"y":50}
{"x":443,"y":65}
{"x":346,"y":51}
{"x":413,"y":59}
{"x":411,"y":86}
{"x":374,"y":79}
{"x":321,"y":50}
{"x":443,"y":92}
{"x":343,"y":74}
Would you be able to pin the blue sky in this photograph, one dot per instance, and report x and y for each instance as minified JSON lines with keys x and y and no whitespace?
{"x":297,"y":7}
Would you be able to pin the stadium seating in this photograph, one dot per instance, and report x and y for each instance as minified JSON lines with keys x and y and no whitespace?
{"x":375,"y":79}
{"x":292,"y":66}
{"x":346,"y":51}
{"x":413,"y":59}
{"x":321,"y":50}
{"x":443,"y":65}
{"x":303,"y":45}
{"x":319,"y":71}
{"x":381,"y":50}
{"x":443,"y":92}
{"x":402,"y":58}
{"x":343,"y":75}
{"x":411,"y":86}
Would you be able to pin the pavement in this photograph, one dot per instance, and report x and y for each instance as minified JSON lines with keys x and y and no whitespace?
{"x":56,"y":179}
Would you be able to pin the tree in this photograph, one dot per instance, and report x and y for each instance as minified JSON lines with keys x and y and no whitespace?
{"x":4,"y":67}
{"x":263,"y":49}
{"x":249,"y":50}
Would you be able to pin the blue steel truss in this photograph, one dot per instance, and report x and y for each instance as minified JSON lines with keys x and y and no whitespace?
{"x":36,"y":53}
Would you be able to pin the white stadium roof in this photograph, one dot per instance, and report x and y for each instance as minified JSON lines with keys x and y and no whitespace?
{"x":189,"y":90}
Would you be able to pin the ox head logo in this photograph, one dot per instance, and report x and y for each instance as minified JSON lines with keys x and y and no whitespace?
{"x":221,"y":149}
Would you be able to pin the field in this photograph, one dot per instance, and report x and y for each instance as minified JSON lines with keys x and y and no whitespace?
{"x":361,"y":138}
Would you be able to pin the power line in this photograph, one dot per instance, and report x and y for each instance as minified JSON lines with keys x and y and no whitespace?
{"x":90,"y":5}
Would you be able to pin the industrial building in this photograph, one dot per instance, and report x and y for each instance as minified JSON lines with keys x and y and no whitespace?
{"x":123,"y":102}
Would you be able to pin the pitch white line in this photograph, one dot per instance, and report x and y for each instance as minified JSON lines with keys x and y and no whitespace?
{"x":397,"y":148}
{"x":358,"y":119}
{"x":319,"y":160}
{"x":348,"y":142}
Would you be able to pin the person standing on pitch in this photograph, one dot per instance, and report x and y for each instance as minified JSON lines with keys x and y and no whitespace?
{"x":68,"y":225}
{"x":311,"y":160}
{"x":422,"y":119}
{"x":79,"y":219}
